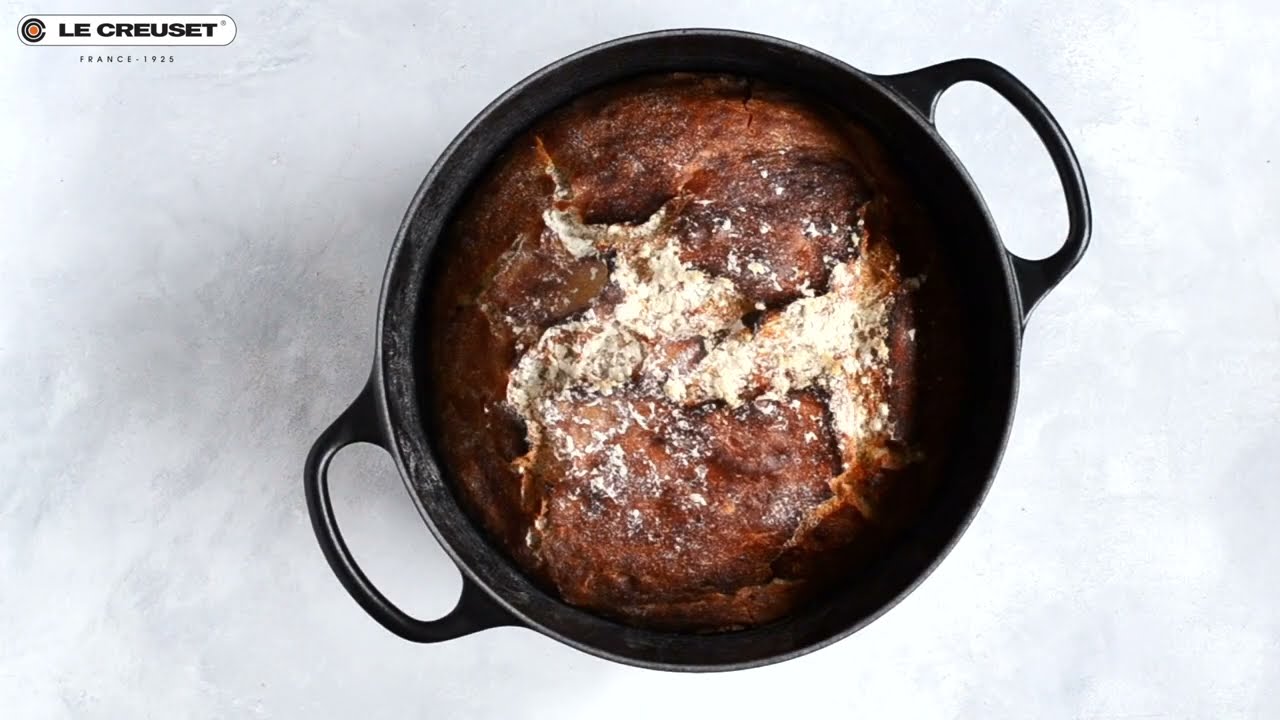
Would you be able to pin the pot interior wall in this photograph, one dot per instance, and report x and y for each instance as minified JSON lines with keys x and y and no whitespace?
{"x":986,"y":326}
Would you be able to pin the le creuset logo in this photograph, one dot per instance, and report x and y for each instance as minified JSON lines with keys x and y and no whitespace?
{"x":127,"y":30}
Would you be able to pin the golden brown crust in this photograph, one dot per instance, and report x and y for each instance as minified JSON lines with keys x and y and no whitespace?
{"x":697,"y":517}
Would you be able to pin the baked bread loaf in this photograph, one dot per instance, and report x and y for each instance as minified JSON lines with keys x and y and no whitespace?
{"x":673,"y":352}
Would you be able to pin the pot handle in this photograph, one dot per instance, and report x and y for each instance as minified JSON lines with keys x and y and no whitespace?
{"x":922,"y":88}
{"x":474,"y":611}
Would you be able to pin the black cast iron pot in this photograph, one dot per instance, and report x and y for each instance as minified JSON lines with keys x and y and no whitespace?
{"x":999,"y":288}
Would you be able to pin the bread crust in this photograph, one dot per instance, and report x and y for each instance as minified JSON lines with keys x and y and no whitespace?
{"x":691,"y":514}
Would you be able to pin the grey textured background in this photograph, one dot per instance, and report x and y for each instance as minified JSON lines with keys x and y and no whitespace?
{"x":190,"y":256}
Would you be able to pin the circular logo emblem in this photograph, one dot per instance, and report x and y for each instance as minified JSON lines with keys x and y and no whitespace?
{"x":33,"y":30}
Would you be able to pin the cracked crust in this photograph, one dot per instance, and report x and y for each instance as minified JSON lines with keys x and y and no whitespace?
{"x":666,"y":514}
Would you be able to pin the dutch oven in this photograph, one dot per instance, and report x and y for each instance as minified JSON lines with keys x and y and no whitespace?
{"x":999,"y":288}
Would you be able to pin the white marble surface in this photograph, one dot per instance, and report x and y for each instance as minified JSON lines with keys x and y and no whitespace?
{"x":189,"y":263}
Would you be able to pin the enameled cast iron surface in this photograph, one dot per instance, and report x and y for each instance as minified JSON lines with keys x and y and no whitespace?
{"x":998,"y":289}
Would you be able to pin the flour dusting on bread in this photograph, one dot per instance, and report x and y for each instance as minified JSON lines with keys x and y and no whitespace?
{"x":826,"y":341}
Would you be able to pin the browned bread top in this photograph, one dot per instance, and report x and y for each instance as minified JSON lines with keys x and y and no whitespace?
{"x":673,"y":352}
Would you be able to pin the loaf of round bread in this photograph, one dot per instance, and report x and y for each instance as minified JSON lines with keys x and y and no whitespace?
{"x":672,"y":352}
